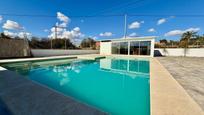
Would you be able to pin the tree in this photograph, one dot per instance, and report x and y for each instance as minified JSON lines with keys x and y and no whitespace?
{"x":173,"y":43}
{"x":163,"y":41}
{"x":60,"y":44}
{"x":69,"y":44}
{"x":2,"y":35}
{"x":34,"y":43}
{"x":45,"y":43}
{"x":185,"y":39}
{"x":199,"y":41}
{"x":88,"y":43}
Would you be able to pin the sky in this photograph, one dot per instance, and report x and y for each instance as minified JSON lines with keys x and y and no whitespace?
{"x":101,"y":19}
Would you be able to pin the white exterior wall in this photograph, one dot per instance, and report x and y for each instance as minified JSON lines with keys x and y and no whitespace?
{"x":105,"y":48}
{"x":56,"y":52}
{"x":152,"y":47}
{"x":191,"y":52}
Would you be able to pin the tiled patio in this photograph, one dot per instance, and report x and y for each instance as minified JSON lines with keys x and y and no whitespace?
{"x":189,"y":72}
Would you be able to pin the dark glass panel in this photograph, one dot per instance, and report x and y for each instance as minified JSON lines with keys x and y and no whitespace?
{"x":145,"y":47}
{"x":134,"y":48}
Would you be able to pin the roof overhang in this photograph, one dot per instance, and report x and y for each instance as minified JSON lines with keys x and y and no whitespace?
{"x":129,"y":39}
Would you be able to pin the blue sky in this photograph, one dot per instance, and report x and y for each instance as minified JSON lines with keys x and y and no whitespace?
{"x":169,"y":26}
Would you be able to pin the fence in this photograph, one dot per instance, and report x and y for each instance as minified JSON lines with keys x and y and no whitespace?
{"x":10,"y":48}
{"x":56,"y":52}
{"x":190,"y":52}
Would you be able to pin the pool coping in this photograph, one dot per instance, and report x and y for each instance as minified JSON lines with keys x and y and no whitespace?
{"x":167,"y":96}
{"x":36,"y":59}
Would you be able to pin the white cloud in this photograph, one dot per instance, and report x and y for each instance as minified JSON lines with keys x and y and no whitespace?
{"x":164,"y":20}
{"x":133,"y":34}
{"x":180,"y":32}
{"x":12,"y":25}
{"x":151,"y":30}
{"x":10,"y":34}
{"x":63,"y":24}
{"x":174,"y":33}
{"x":62,"y":17}
{"x":77,"y":29}
{"x":192,"y":30}
{"x":161,"y":21}
{"x":106,"y":34}
{"x":57,"y":29}
{"x":135,"y":25}
{"x":12,"y":30}
{"x":63,"y":33}
{"x":74,"y":35}
{"x":24,"y":34}
{"x":17,"y":34}
{"x":65,"y":20}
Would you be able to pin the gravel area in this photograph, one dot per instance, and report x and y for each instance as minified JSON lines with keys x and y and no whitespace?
{"x":189,"y":72}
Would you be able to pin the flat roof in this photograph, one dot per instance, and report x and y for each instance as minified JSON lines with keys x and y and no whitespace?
{"x":130,"y":38}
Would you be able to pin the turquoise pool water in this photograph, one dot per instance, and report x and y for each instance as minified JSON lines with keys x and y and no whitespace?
{"x":116,"y":86}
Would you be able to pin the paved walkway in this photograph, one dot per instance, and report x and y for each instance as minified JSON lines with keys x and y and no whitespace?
{"x":189,"y":72}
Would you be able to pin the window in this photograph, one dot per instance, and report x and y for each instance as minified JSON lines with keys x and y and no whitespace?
{"x":134,"y":48}
{"x":120,"y":48}
{"x":145,"y":47}
{"x":123,"y":47}
{"x":115,"y":48}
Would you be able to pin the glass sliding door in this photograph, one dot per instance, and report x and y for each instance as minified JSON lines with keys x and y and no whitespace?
{"x":140,"y":47}
{"x":120,"y":48}
{"x":124,"y":48}
{"x":115,"y":48}
{"x":145,"y":47}
{"x":134,"y":48}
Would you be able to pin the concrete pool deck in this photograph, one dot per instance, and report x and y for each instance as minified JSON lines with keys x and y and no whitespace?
{"x":167,"y":96}
{"x":189,"y":72}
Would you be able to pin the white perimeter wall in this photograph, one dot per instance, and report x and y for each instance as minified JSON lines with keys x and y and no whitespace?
{"x":55,"y":52}
{"x":105,"y":48}
{"x":191,"y":52}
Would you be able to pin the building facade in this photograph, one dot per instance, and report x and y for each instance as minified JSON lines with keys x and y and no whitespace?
{"x":138,"y":46}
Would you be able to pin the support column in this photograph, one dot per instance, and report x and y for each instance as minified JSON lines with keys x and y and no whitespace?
{"x":128,"y":47}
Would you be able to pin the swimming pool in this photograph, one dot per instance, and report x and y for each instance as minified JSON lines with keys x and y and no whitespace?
{"x":116,"y":86}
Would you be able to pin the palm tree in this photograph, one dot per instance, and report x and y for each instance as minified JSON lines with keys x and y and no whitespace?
{"x":185,"y":39}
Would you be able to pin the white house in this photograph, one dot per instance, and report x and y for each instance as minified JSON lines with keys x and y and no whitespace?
{"x":140,"y":46}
